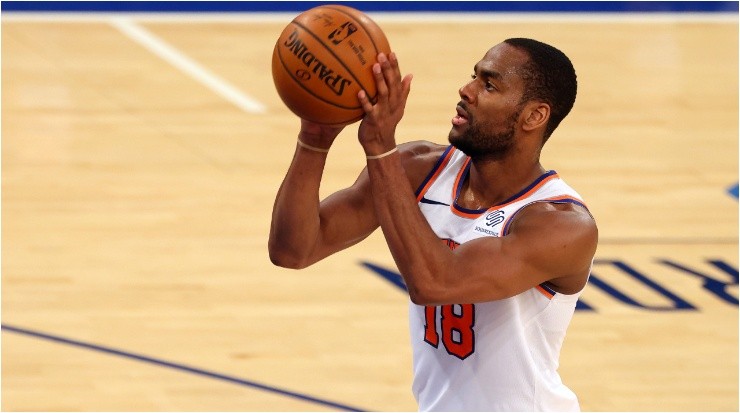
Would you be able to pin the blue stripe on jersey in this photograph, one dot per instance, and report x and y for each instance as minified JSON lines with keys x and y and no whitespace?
{"x":457,"y":194}
{"x":434,"y":169}
{"x":528,"y":188}
{"x":548,"y":289}
{"x":508,"y":200}
{"x":505,"y":230}
{"x":432,"y":202}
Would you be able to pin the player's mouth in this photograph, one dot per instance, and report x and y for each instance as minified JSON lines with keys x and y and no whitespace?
{"x":461,"y":117}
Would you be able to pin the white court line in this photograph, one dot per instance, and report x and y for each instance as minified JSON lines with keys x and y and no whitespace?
{"x":173,"y":56}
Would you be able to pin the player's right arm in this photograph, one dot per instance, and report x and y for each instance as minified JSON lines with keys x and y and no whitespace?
{"x":305,"y":230}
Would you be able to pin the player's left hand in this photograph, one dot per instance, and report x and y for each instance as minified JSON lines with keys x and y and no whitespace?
{"x":378,"y":127}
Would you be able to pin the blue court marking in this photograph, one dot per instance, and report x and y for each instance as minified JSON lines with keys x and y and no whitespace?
{"x":181,"y":367}
{"x":391,"y":276}
{"x":733,"y":190}
{"x":378,"y":6}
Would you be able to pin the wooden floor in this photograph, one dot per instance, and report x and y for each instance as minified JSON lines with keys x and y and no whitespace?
{"x":137,"y":188}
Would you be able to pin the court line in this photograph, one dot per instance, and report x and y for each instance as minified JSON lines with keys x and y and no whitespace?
{"x":734,"y":190}
{"x":187,"y":65}
{"x":380,"y":17}
{"x":181,"y":367}
{"x":668,"y":241}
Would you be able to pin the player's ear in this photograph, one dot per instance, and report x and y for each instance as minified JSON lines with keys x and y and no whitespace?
{"x":536,"y":115}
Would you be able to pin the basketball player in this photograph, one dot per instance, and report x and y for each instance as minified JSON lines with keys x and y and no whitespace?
{"x":493,"y":248}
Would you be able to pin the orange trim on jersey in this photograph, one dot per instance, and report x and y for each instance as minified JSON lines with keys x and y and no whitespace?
{"x":455,"y":194}
{"x":531,"y":190}
{"x":565,"y":198}
{"x":434,"y":177}
{"x":544,"y":292}
{"x":464,"y":214}
{"x":459,"y":176}
{"x":560,"y":198}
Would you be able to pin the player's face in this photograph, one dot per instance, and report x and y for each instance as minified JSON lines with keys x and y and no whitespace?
{"x":488,"y":113}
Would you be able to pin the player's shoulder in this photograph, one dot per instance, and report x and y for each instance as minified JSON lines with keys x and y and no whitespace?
{"x":418,"y":149}
{"x":540,"y":218}
{"x":419,"y":157}
{"x":566,"y":212}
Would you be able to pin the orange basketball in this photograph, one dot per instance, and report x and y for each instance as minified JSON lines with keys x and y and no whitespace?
{"x":323,"y":58}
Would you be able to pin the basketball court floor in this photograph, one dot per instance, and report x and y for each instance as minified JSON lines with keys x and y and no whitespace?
{"x":141,"y":156}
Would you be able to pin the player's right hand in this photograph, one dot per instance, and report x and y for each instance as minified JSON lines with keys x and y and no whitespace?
{"x":318,"y":135}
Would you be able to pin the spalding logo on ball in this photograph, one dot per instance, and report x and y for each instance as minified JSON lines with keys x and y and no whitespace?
{"x":323,"y":58}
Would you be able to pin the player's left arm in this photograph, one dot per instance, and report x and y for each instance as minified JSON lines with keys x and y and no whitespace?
{"x":546,"y":243}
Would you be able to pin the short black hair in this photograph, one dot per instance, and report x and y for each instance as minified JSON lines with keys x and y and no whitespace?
{"x":550,"y":77}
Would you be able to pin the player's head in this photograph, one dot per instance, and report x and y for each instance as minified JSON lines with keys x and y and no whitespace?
{"x":549,"y":77}
{"x":520,"y":86}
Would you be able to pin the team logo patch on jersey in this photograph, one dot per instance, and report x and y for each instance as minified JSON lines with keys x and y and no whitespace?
{"x":494,"y":218}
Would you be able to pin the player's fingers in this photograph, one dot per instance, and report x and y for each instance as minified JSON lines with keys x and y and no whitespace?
{"x":391,"y":73}
{"x":390,"y":68}
{"x":406,"y":85}
{"x":396,"y":85}
{"x":367,"y":106}
{"x":393,"y":64}
{"x":380,"y":81}
{"x":381,"y":75}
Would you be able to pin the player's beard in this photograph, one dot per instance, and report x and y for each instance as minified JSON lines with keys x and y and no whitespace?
{"x":477,"y":144}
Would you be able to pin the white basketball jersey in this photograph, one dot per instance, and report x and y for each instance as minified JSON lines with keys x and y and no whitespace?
{"x":493,"y":356}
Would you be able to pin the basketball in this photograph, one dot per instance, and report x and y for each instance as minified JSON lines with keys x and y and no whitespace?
{"x":323,"y":58}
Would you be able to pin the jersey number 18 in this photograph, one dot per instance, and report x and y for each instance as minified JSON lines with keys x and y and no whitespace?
{"x":456,"y":322}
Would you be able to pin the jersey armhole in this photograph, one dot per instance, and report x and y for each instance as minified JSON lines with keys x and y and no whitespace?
{"x":443,"y":160}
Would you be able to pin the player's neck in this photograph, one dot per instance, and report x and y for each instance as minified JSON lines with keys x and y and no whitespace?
{"x":491,"y":182}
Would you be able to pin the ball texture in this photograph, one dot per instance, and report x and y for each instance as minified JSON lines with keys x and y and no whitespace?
{"x":323,"y":58}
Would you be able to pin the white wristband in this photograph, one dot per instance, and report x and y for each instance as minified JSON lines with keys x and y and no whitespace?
{"x":312,"y":148}
{"x":382,"y":155}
